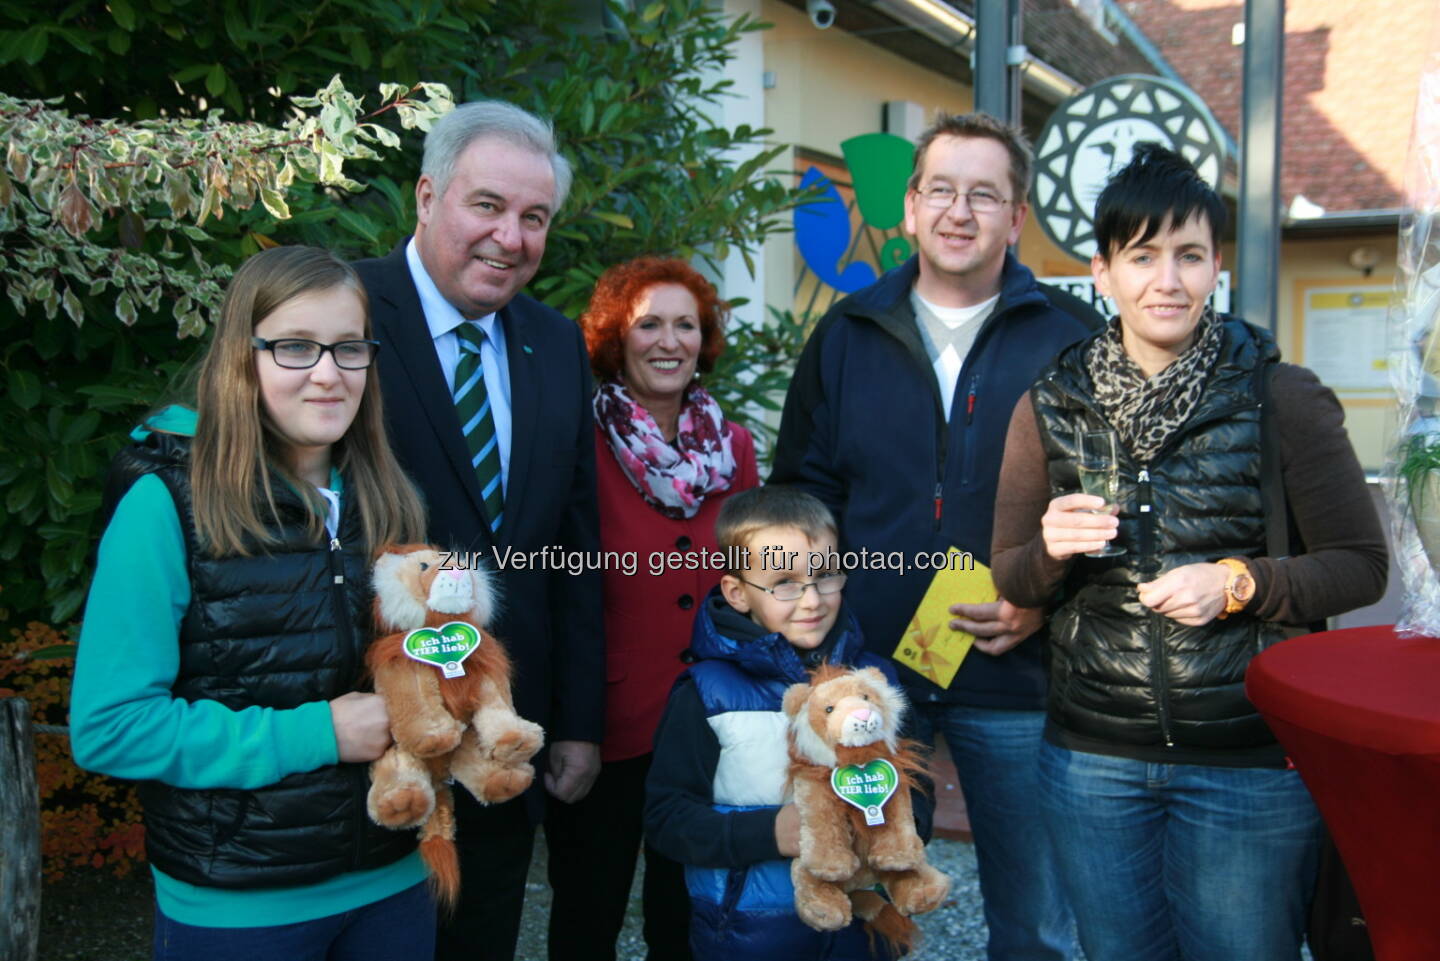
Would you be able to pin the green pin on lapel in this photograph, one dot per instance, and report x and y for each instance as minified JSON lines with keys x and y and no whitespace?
{"x":444,"y":647}
{"x":526,"y":348}
{"x":868,"y":787}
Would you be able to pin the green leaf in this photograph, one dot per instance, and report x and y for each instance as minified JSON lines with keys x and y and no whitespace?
{"x":112,"y":395}
{"x":274,"y":202}
{"x":24,"y":388}
{"x":215,"y":80}
{"x":235,"y":27}
{"x":22,"y":493}
{"x":123,"y":13}
{"x":81,"y":428}
{"x":359,"y":224}
{"x":66,"y":604}
{"x":53,"y":652}
{"x":33,"y":44}
{"x":192,"y":72}
{"x":360,"y":50}
{"x":608,"y":117}
{"x":611,"y":217}
{"x":71,"y":303}
{"x":653,"y":11}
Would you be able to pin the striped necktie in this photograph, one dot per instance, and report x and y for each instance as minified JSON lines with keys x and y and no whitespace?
{"x":472,"y":403}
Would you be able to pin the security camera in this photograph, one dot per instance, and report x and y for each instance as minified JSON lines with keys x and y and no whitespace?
{"x":822,"y":13}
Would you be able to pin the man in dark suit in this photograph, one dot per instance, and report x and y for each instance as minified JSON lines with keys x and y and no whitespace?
{"x":507,"y":467}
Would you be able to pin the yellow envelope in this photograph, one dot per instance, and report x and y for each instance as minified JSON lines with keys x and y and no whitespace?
{"x":929,"y":645}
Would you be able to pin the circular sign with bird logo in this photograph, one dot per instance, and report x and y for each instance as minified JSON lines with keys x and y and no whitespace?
{"x":1092,"y":135}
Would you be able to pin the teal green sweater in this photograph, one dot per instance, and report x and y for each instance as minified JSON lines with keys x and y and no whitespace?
{"x":125,"y":722}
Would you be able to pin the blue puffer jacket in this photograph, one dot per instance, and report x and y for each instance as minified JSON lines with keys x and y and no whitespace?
{"x":864,"y":430}
{"x":718,"y":777}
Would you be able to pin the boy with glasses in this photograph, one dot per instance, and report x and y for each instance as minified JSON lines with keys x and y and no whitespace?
{"x":716,"y":797}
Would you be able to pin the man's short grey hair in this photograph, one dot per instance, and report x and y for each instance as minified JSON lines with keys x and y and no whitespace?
{"x":468,"y":122}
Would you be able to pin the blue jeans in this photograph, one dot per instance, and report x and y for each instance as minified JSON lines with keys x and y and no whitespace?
{"x":995,"y":754}
{"x":1171,"y":861}
{"x":398,"y":928}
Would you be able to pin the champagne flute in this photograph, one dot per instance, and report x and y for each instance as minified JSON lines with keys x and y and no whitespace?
{"x":1099,"y":470}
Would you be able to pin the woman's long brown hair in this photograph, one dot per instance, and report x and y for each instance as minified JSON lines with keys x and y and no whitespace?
{"x":238,"y":452}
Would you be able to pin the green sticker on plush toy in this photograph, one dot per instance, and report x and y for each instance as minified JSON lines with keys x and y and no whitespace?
{"x":444,"y":646}
{"x":868,"y":787}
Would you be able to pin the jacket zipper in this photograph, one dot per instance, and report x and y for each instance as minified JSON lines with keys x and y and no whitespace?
{"x":1146,"y":549}
{"x":1162,"y":678}
{"x":942,"y":438}
{"x":942,"y":424}
{"x":967,"y":474}
{"x":343,"y":627}
{"x":1144,"y":507}
{"x":345,"y":631}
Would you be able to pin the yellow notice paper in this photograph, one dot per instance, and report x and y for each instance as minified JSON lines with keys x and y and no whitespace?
{"x":929,"y":645}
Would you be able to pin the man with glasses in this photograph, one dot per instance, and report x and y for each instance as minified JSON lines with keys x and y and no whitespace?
{"x":487,"y":397}
{"x":896,"y":419}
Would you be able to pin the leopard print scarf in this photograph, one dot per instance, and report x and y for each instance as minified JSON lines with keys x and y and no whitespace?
{"x":1147,"y":412}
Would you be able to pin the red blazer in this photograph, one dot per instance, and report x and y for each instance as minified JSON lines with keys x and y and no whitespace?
{"x":648,"y":617}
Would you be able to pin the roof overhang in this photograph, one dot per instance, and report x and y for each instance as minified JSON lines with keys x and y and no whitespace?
{"x":1344,"y":222}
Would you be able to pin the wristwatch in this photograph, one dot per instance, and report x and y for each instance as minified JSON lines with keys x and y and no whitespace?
{"x":1239,"y":586}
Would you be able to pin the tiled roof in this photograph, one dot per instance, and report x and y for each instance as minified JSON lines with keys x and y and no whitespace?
{"x":1352,"y":70}
{"x":1059,"y":35}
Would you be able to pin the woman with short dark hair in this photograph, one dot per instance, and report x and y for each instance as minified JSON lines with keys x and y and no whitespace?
{"x":1179,"y":831}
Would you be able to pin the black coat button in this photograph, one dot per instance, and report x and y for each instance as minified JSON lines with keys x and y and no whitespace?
{"x":686,"y":602}
{"x":683,"y":542}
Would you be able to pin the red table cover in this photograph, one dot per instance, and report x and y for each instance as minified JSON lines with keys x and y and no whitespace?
{"x":1358,"y":711}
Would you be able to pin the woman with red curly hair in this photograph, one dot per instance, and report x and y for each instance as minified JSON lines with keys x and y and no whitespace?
{"x":666,"y":460}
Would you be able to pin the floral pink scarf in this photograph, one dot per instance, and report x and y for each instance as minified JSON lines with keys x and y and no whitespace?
{"x":674,"y":478}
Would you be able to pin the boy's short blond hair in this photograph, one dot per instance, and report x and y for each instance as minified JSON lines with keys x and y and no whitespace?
{"x":748,"y":512}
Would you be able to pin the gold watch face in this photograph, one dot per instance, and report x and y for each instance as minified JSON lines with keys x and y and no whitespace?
{"x":1242,"y":588}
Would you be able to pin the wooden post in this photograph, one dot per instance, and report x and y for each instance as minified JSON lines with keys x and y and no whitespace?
{"x":19,"y":835}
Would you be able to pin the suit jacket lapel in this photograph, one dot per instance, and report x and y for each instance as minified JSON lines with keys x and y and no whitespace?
{"x":524,"y":413}
{"x":407,"y":337}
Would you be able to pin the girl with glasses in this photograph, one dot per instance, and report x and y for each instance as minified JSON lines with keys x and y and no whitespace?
{"x":221,"y":652}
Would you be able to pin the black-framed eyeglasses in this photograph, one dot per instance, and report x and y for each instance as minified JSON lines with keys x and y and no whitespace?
{"x":980,"y":200}
{"x":794,"y":590}
{"x":296,"y":353}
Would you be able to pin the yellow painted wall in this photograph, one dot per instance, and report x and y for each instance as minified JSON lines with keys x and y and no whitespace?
{"x":1371,"y":422}
{"x":830,"y":85}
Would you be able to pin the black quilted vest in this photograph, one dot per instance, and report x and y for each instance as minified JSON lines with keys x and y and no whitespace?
{"x":1124,"y":679}
{"x":277,"y":630}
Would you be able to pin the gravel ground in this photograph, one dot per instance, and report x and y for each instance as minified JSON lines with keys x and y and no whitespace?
{"x":956,"y":932}
{"x":89,"y":916}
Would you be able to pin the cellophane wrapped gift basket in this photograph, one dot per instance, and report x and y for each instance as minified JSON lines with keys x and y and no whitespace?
{"x":1412,"y":475}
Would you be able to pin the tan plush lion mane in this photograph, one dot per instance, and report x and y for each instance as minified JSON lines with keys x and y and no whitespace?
{"x":462,"y":727}
{"x":846,"y":716}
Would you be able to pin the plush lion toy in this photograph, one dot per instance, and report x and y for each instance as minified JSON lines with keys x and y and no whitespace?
{"x":851,"y":779}
{"x":446,"y":684}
